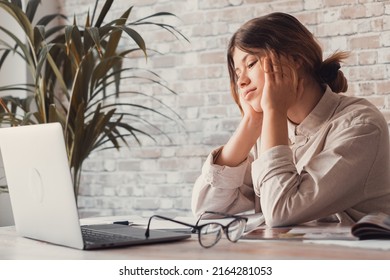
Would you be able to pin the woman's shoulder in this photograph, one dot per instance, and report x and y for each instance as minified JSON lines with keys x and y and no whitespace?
{"x":354,"y":117}
{"x":358,"y":111}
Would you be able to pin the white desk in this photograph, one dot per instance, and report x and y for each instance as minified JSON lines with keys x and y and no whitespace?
{"x":14,"y":247}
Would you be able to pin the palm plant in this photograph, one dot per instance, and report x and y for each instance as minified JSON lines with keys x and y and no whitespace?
{"x":76,"y":76}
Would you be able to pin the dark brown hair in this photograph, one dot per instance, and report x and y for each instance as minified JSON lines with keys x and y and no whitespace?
{"x":284,"y":34}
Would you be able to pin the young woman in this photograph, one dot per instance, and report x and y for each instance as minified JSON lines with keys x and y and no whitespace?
{"x":301,"y":152}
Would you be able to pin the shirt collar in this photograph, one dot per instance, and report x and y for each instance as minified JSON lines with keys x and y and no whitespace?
{"x":321,"y":113}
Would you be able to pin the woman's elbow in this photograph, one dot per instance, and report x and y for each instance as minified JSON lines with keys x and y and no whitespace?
{"x":278,"y":218}
{"x":276,"y":222}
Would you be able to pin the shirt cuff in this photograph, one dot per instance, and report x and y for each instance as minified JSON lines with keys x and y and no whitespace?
{"x":221,"y":176}
{"x":274,"y":161}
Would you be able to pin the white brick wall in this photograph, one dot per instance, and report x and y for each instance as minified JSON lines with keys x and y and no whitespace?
{"x":158,"y":178}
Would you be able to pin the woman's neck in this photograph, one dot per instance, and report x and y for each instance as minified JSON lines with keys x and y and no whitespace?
{"x":306,"y":102}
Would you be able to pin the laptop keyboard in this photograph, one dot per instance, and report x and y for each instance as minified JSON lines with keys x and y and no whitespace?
{"x":95,"y":236}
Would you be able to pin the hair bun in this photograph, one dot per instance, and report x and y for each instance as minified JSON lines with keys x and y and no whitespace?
{"x":329,"y":71}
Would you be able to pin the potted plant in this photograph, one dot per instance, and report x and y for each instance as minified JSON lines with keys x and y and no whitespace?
{"x":76,"y":73}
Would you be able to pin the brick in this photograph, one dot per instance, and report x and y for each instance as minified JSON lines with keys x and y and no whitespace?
{"x":378,"y":101}
{"x":337,"y":28}
{"x":147,"y":203}
{"x":287,"y":5}
{"x":367,"y":88}
{"x":206,"y":5}
{"x":190,"y":176}
{"x":191,"y":100}
{"x":213,"y":57}
{"x":153,"y":177}
{"x":370,"y":72}
{"x":375,"y":9}
{"x":334,"y":43}
{"x":212,"y":29}
{"x":330,"y":3}
{"x":365,"y":42}
{"x":91,"y":190}
{"x":184,"y":204}
{"x":129,"y":165}
{"x":353,"y":12}
{"x":368,"y":57}
{"x":166,"y":204}
{"x":212,"y":112}
{"x":385,"y":39}
{"x":308,"y":17}
{"x":216,"y":139}
{"x":160,"y":191}
{"x":331,"y":15}
{"x":383,"y":87}
{"x":109,"y":165}
{"x":164,"y":62}
{"x":192,"y":73}
{"x":312,"y":5}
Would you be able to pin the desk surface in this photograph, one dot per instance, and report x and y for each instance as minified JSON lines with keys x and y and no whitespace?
{"x":14,"y":247}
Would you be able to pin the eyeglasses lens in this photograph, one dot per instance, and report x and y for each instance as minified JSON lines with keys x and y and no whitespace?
{"x":210,"y":234}
{"x":236,"y":229}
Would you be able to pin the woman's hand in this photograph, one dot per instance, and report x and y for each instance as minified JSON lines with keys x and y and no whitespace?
{"x":253,"y":117}
{"x":282,"y":85}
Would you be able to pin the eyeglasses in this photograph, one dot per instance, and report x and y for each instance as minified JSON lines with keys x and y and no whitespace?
{"x":210,"y":233}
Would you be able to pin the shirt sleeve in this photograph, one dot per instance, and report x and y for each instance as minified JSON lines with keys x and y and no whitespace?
{"x":331,"y":181}
{"x":223,"y":188}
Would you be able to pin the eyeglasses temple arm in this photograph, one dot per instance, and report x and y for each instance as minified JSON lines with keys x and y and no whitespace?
{"x":165,"y":218}
{"x":200,"y":217}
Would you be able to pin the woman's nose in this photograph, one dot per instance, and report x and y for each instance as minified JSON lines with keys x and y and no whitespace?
{"x":243,"y":80}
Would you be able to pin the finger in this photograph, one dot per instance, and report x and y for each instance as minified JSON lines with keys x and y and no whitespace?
{"x":268,"y":69}
{"x":277,"y":66}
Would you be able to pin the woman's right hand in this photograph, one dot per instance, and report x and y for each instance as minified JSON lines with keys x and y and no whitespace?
{"x":253,"y":118}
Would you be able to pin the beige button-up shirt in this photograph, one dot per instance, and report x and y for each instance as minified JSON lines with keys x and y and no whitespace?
{"x":337,"y":163}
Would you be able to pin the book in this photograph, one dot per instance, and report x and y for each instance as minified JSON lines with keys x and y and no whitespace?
{"x":372,"y":226}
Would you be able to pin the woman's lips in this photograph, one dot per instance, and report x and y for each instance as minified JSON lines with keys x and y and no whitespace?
{"x":249,"y":92}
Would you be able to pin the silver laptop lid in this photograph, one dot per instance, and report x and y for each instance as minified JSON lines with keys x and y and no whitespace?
{"x":40,"y":184}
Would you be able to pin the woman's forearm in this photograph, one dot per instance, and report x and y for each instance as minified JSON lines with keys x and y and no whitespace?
{"x":241,"y":143}
{"x":274,"y":130}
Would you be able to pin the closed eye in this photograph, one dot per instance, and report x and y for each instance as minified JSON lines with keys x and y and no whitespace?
{"x":251,"y":64}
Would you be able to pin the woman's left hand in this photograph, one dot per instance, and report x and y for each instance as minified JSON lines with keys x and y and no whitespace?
{"x":282,"y":85}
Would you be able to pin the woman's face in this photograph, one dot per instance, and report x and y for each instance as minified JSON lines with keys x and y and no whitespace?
{"x":250,"y":78}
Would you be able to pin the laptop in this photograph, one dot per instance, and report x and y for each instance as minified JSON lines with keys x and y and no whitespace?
{"x":42,"y":196}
